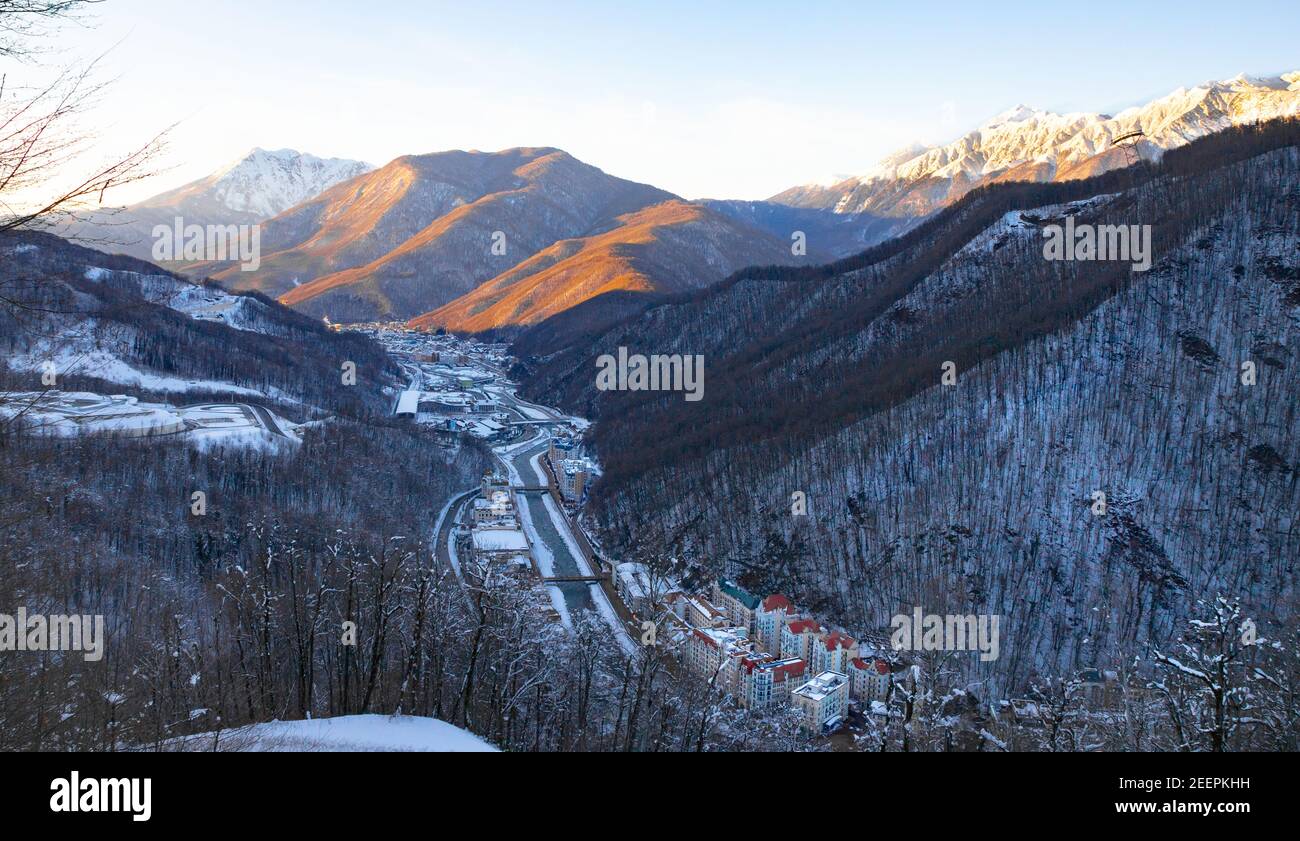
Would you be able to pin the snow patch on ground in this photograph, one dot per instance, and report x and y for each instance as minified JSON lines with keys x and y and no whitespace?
{"x":352,"y":734}
{"x":1019,"y":224}
{"x":76,"y":359}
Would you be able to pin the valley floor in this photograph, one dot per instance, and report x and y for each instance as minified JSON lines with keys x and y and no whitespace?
{"x":555,"y":548}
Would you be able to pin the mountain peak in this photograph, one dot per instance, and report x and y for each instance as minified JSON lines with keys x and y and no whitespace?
{"x":268,"y":182}
{"x":1018,"y":114}
{"x":281,"y":154}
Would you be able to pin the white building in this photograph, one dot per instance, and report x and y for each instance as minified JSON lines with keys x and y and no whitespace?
{"x":832,"y":652}
{"x":823,"y":700}
{"x":638,"y":588}
{"x":869,"y":680}
{"x":797,"y":638}
{"x":764,"y":680}
{"x":499,"y":545}
{"x":488,"y":430}
{"x":408,"y":405}
{"x":709,"y":650}
{"x":497,"y":508}
{"x":770,"y":620}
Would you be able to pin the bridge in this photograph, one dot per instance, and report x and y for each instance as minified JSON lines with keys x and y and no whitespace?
{"x":530,"y":489}
{"x":578,"y":579}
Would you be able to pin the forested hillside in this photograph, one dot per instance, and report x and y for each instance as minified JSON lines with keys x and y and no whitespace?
{"x":216,"y":614}
{"x":106,"y":322}
{"x":1072,"y":378}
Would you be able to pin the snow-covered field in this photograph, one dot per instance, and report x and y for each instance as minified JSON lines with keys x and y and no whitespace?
{"x":80,"y":413}
{"x":206,"y":304}
{"x":83,"y":413}
{"x":82,"y":358}
{"x":346,"y":734}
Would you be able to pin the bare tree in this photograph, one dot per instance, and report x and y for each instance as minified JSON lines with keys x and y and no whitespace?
{"x":45,"y":176}
{"x":25,"y":22}
{"x":1202,"y":681}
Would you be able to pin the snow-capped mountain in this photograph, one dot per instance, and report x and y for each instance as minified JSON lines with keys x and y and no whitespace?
{"x":264,"y":183}
{"x":409,"y":241}
{"x":252,"y":189}
{"x":1033,"y":145}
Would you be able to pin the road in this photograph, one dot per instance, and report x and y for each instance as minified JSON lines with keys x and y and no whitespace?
{"x":548,"y":528}
{"x":443,"y":534}
{"x":266,"y":419}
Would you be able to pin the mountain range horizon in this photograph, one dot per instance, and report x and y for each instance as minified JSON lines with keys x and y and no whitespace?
{"x":1288,"y":77}
{"x":349,"y":241}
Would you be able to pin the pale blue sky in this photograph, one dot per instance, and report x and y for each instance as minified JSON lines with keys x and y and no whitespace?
{"x":739,"y":100}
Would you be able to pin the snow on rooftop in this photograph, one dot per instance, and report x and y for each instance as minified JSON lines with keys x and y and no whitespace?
{"x":500,"y":540}
{"x":821,"y":686}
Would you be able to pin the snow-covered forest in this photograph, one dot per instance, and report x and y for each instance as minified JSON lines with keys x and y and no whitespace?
{"x":1072,"y":379}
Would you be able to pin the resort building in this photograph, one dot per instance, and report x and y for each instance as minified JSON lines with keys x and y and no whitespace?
{"x":869,"y":680}
{"x":497,"y":508}
{"x":766,"y":680}
{"x":573,"y":475}
{"x":499,"y":545}
{"x":709,"y":649}
{"x":824,"y":700}
{"x":770,"y":619}
{"x":637,"y":587}
{"x":832,"y":652}
{"x":797,"y":638}
{"x":738,"y":603}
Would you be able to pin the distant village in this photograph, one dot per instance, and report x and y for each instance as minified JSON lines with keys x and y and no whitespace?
{"x":764,"y":651}
{"x":456,"y":384}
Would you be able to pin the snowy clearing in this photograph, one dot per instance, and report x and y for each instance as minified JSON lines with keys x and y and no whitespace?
{"x":348,"y":734}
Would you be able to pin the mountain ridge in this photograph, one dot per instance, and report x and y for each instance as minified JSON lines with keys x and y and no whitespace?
{"x":246,"y":191}
{"x":640,"y":254}
{"x":1023,"y":143}
{"x":448,"y":210}
{"x":1071,"y":377}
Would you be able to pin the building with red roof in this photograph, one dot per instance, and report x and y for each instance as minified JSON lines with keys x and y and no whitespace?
{"x":770,"y":618}
{"x":869,"y":680}
{"x":765,"y":680}
{"x":709,"y":652}
{"x":832,"y":652}
{"x":797,"y":637}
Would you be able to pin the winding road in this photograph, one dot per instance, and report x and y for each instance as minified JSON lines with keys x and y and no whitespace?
{"x":547,"y":527}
